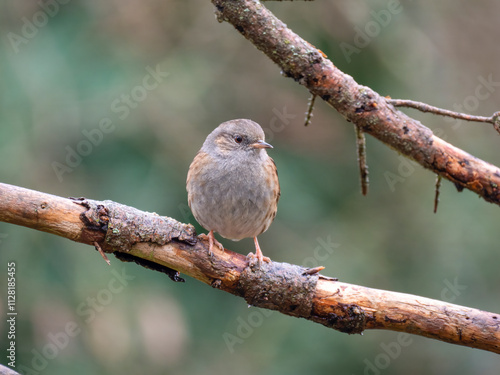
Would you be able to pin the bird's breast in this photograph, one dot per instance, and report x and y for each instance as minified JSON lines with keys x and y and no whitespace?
{"x":234,"y":199}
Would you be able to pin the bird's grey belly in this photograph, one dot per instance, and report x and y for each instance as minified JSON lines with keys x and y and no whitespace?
{"x":233,"y":213}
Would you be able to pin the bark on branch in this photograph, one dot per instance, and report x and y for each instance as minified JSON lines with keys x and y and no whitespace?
{"x":164,"y":244}
{"x":359,"y":104}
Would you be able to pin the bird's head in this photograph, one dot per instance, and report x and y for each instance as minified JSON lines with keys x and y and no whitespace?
{"x":236,"y":137}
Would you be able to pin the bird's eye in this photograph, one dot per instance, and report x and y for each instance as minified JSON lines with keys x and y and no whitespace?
{"x":238,"y":138}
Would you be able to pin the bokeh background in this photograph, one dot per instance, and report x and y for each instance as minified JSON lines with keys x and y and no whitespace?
{"x":75,"y":69}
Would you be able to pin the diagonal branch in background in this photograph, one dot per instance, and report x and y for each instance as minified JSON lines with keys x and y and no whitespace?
{"x":359,"y":104}
{"x":162,"y":243}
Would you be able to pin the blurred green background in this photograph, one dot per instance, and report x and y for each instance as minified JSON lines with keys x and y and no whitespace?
{"x":70,"y":70}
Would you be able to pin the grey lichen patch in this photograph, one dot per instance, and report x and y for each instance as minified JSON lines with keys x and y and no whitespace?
{"x":279,"y":286}
{"x":125,"y":226}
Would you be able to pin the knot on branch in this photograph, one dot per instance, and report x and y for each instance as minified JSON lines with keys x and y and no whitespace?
{"x":95,"y":220}
{"x":279,"y":286}
{"x":347,"y":318}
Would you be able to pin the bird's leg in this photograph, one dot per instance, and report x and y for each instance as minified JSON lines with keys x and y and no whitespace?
{"x":258,"y":253}
{"x":211,"y":241}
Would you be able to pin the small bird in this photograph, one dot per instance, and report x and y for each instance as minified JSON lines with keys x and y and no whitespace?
{"x":232,"y":184}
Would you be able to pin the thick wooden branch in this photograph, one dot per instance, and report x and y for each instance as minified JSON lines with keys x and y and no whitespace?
{"x":163,"y":243}
{"x":359,"y":104}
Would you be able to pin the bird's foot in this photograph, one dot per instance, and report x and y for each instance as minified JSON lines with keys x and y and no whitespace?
{"x":211,"y":242}
{"x":254,"y":258}
{"x":258,"y":254}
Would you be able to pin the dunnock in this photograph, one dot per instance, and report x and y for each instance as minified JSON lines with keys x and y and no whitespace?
{"x":232,"y":184}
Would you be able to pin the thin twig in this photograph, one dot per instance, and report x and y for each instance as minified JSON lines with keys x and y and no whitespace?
{"x":363,"y":168}
{"x":309,"y":113}
{"x":312,"y":271}
{"x":424,"y":107}
{"x":103,"y":254}
{"x":436,"y":197}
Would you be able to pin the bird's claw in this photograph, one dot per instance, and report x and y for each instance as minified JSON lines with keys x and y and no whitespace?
{"x":211,"y":242}
{"x":252,"y":257}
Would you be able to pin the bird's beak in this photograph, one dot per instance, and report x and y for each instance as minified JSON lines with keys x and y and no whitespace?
{"x":261,"y":144}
